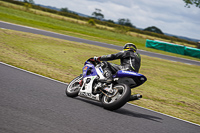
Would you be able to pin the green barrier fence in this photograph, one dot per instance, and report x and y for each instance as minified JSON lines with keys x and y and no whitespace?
{"x":173,"y":48}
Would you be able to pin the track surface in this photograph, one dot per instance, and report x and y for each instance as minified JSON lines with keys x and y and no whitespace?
{"x":34,"y":104}
{"x":70,"y":38}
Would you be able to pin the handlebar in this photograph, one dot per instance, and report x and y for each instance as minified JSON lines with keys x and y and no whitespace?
{"x":91,"y":60}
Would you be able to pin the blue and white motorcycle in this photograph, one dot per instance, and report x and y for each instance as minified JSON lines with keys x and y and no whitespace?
{"x":114,"y":95}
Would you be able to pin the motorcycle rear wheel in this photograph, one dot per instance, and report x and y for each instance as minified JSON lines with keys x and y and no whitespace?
{"x":73,"y":88}
{"x":119,"y":99}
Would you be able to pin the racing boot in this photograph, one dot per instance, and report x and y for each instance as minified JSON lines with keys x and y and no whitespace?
{"x":108,"y":75}
{"x":106,"y":80}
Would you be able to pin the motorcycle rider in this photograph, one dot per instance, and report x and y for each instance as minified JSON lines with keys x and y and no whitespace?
{"x":130,"y":61}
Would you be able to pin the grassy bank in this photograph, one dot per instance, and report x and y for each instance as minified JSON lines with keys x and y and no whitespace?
{"x":172,"y":88}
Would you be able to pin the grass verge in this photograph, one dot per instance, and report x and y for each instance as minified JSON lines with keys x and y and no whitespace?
{"x":172,"y":88}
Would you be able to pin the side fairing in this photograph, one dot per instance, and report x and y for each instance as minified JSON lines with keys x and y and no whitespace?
{"x":122,"y":73}
{"x":130,"y":78}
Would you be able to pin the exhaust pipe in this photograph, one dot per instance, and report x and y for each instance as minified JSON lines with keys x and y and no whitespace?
{"x":135,"y":97}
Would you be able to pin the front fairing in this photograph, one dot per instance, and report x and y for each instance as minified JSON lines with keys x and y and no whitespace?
{"x":89,"y":70}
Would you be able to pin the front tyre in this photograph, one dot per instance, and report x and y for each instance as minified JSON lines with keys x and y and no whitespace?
{"x":73,"y":88}
{"x":119,"y":99}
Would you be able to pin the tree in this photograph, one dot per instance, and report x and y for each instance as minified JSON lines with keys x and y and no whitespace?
{"x":111,"y":21}
{"x":64,"y":10}
{"x":121,"y":21}
{"x":153,"y":29}
{"x":97,"y":14}
{"x":28,"y":4}
{"x":91,"y":22}
{"x":29,"y":1}
{"x":192,"y":2}
{"x":125,"y":22}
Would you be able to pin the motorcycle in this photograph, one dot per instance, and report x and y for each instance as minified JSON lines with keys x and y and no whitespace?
{"x":91,"y":84}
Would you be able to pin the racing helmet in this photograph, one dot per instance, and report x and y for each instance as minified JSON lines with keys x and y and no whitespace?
{"x":130,"y":46}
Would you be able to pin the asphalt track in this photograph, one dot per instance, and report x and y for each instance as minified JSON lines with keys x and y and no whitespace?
{"x":70,"y":38}
{"x":33,"y":104}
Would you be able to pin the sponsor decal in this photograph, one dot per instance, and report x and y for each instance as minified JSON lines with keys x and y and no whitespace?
{"x":128,"y":72}
{"x":85,"y":68}
{"x":100,"y":69}
{"x":90,"y":65}
{"x":142,"y":78}
{"x":88,"y":95}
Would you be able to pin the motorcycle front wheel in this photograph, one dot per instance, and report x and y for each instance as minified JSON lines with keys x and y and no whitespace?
{"x":73,"y":88}
{"x":118,"y":100}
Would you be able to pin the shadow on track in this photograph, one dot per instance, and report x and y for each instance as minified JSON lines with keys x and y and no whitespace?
{"x":89,"y":101}
{"x":124,"y":111}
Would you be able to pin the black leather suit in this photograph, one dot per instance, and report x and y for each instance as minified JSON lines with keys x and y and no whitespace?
{"x":130,"y":60}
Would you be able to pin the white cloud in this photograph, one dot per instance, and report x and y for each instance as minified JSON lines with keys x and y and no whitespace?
{"x":169,"y":15}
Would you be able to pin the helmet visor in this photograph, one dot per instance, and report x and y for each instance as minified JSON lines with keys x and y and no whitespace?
{"x":129,"y":47}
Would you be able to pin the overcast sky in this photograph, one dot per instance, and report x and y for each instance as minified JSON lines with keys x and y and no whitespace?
{"x":171,"y":16}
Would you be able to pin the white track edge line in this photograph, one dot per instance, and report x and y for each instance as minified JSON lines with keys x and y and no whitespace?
{"x":165,"y":114}
{"x":32,"y":73}
{"x":67,"y":84}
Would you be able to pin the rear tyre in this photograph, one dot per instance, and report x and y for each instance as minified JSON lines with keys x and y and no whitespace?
{"x":73,"y":88}
{"x":119,"y":99}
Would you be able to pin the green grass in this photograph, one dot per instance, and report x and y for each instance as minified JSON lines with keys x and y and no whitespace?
{"x":172,"y":88}
{"x":64,"y":55}
{"x":52,"y":22}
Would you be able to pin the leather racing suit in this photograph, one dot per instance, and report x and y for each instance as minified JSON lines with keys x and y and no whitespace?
{"x":130,"y":60}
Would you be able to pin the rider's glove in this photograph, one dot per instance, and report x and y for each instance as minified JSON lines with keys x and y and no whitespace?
{"x":97,"y":58}
{"x":92,"y":59}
